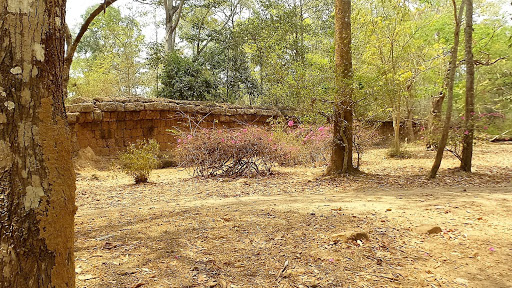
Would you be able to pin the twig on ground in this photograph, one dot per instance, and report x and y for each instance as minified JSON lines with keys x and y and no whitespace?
{"x":282,"y":270}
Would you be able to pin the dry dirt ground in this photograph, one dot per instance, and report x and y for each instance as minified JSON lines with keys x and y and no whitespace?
{"x":291,"y":229}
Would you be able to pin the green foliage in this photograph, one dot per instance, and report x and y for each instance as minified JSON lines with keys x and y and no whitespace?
{"x":401,"y":154}
{"x":184,"y":79}
{"x":140,"y":159}
{"x":106,"y":63}
{"x":280,"y":53}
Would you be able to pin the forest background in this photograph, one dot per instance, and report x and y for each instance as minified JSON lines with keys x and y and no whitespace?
{"x":280,"y":54}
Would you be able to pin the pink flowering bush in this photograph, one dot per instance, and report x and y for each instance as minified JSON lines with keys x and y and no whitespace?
{"x":230,"y":152}
{"x":253,"y":151}
{"x":311,"y":144}
{"x":305,"y":144}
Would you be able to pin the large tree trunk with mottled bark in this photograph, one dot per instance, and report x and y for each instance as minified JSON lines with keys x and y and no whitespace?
{"x":450,"y":82}
{"x":341,"y":155}
{"x":469,"y":121}
{"x":37,"y":182}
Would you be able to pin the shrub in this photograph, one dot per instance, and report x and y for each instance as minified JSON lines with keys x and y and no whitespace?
{"x":306,"y":145}
{"x":230,"y":152}
{"x":402,"y":154}
{"x":140,"y":159}
{"x":184,"y":79}
{"x":311,"y":144}
{"x":366,"y":135}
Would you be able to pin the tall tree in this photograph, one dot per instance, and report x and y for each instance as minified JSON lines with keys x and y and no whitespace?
{"x":106,"y":60}
{"x":450,"y":82}
{"x":72,"y":44}
{"x":341,"y":155}
{"x":37,"y":181}
{"x":173,"y":10}
{"x":469,"y":111}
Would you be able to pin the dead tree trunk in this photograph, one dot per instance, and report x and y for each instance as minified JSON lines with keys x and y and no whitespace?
{"x":341,"y":155}
{"x":469,"y":119}
{"x":37,"y":181}
{"x":450,"y":81}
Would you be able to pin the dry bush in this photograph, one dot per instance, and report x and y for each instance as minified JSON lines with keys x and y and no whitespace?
{"x":230,"y":152}
{"x":140,"y":159}
{"x":253,"y":150}
{"x":308,"y":145}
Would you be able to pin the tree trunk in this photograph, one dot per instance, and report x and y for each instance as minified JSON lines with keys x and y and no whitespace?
{"x":469,"y":124}
{"x":396,"y":128}
{"x":410,"y":122}
{"x":436,"y":110}
{"x":435,"y":118}
{"x":37,"y":181}
{"x":172,"y":19}
{"x":450,"y":81}
{"x":341,"y":155}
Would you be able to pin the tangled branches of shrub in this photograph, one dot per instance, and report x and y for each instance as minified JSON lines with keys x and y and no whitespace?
{"x":306,"y":145}
{"x":231,"y":153}
{"x":311,"y":144}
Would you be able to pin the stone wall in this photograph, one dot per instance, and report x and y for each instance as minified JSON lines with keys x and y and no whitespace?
{"x":110,"y":125}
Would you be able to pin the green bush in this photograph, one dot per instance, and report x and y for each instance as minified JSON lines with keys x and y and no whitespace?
{"x":140,"y":159}
{"x":184,"y":79}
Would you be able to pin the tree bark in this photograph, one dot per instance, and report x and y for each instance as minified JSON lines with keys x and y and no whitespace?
{"x":450,"y":82}
{"x":396,"y":127}
{"x":172,"y":19}
{"x":469,"y":121}
{"x":37,"y":181}
{"x":341,"y":154}
{"x":410,"y":118}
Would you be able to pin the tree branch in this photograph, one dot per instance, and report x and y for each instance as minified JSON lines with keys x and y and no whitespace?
{"x":72,"y":48}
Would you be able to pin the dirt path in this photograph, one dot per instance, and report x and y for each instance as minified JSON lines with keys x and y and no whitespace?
{"x":184,"y":232}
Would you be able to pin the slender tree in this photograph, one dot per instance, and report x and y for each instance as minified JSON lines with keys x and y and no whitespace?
{"x":341,"y":155}
{"x":469,"y":124}
{"x":37,"y":181}
{"x":450,"y":82}
{"x":173,"y":11}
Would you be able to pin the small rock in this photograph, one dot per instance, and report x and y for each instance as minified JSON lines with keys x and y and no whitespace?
{"x":311,"y":282}
{"x":428,"y":229}
{"x":435,"y":230}
{"x":359,"y":236}
{"x":347,"y":237}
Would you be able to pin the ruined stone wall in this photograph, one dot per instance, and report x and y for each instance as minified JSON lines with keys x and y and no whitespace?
{"x":110,"y":125}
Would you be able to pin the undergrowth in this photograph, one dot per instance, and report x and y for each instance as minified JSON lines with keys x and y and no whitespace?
{"x":140,"y":159}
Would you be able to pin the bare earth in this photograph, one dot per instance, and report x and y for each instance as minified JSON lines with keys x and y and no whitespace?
{"x":290,"y":229}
